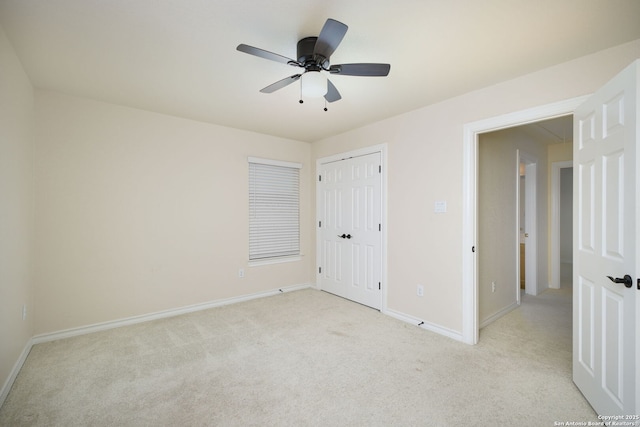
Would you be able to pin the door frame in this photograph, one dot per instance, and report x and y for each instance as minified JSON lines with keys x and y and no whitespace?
{"x":382,"y":149}
{"x":556,"y":168}
{"x":471,"y":131}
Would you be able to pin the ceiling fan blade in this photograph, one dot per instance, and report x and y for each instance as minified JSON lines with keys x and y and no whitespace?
{"x":332,"y":94}
{"x":265,"y":54}
{"x":280,"y":84}
{"x":330,"y":37}
{"x":370,"y":70}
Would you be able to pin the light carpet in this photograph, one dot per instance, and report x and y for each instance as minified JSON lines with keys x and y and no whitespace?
{"x":305,"y":358}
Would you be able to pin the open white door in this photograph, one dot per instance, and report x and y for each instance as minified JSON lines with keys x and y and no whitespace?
{"x":605,"y":244}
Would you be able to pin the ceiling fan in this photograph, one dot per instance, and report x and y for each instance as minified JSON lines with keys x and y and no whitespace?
{"x":314,"y":54}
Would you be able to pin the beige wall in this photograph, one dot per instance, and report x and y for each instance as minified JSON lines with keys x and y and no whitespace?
{"x":16,"y":135}
{"x":425,"y":165}
{"x":139,"y":212}
{"x":559,"y":153}
{"x":497,"y":223}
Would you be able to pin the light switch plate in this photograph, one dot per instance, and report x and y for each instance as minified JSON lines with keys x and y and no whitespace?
{"x":440,"y":206}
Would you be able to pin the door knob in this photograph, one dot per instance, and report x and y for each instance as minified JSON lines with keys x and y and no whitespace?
{"x":345,"y":236}
{"x":627,"y":280}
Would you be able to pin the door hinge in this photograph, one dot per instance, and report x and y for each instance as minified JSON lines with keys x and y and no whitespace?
{"x":473,"y":248}
{"x":320,"y":270}
{"x":379,"y":286}
{"x":320,"y":178}
{"x":319,"y":224}
{"x":379,"y":227}
{"x":379,"y":168}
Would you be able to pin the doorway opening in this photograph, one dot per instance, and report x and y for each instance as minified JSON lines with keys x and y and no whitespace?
{"x":561,"y":224}
{"x":528,"y":237}
{"x":512,"y":213}
{"x":472,"y":243}
{"x":521,"y":218}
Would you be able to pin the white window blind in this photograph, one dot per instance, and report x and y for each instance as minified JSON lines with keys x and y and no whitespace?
{"x":274,"y":209}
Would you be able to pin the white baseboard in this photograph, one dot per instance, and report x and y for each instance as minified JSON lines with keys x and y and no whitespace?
{"x":6,"y":387}
{"x":498,"y":315}
{"x":190,"y":309}
{"x":67,"y":333}
{"x":52,"y":336}
{"x":425,"y":325}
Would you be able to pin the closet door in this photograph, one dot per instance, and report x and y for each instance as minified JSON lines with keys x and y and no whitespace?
{"x":350,"y":229}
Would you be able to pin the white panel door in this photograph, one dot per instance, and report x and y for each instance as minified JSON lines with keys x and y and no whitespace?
{"x":605,"y":244}
{"x":350,"y":221}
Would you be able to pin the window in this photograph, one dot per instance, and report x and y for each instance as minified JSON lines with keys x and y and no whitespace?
{"x":274,"y":209}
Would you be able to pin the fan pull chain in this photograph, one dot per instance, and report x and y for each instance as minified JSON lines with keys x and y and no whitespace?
{"x":325,"y":105}
{"x":301,"y":101}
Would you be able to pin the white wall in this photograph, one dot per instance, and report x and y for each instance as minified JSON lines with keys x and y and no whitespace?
{"x":138,"y":212}
{"x":425,"y":165}
{"x":16,"y":135}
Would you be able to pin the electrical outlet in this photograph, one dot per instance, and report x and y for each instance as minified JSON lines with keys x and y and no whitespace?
{"x":420,"y":290}
{"x":493,"y":286}
{"x":241,"y":273}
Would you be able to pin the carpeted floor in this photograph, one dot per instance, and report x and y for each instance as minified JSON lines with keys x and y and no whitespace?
{"x":305,"y":358}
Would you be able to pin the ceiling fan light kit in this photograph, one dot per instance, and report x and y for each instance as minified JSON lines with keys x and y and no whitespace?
{"x":314,"y":55}
{"x":313,"y":84}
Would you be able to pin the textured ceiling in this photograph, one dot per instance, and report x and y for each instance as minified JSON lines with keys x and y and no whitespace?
{"x":179,"y":56}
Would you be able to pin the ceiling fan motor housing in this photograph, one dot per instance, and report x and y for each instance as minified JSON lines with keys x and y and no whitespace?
{"x":305,"y":50}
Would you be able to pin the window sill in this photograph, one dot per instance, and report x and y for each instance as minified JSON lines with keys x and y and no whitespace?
{"x":270,"y":261}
